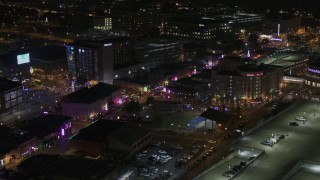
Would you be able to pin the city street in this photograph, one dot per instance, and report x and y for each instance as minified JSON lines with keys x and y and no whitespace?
{"x":301,"y":143}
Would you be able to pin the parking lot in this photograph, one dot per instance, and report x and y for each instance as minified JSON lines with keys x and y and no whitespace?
{"x":233,"y":164}
{"x":309,"y":171}
{"x":300,"y":143}
{"x":162,"y":160}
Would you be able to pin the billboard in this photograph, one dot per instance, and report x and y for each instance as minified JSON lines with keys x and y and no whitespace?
{"x":23,"y":58}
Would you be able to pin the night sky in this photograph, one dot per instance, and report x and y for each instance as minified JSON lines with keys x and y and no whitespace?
{"x":312,"y":5}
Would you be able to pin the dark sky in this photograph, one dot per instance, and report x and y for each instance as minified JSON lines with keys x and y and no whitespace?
{"x":312,"y":5}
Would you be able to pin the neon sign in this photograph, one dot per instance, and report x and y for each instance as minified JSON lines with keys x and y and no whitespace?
{"x":314,"y":70}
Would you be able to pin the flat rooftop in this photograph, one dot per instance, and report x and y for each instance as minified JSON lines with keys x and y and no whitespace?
{"x":281,"y":59}
{"x":277,"y":161}
{"x":189,"y":82}
{"x":65,"y":166}
{"x":12,"y":138}
{"x":100,"y":130}
{"x":6,"y":84}
{"x":90,"y":95}
{"x":45,"y":124}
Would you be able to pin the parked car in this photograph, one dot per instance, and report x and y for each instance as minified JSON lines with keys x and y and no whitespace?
{"x":293,"y":124}
{"x":301,"y":118}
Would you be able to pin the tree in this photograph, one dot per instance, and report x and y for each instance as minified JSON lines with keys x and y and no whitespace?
{"x":238,"y":44}
{"x":133,"y":107}
{"x":150,"y":100}
{"x":253,"y":41}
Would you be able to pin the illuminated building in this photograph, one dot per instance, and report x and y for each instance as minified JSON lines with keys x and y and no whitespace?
{"x":188,"y":89}
{"x":312,"y":82}
{"x":134,"y":22}
{"x":97,"y":60}
{"x":86,"y":103}
{"x":102,"y":23}
{"x":11,"y":94}
{"x":194,"y":28}
{"x":159,"y":51}
{"x":246,"y":82}
{"x":36,"y":133}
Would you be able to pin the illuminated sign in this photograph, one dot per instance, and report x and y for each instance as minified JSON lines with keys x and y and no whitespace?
{"x":276,"y":39}
{"x":252,"y":74}
{"x":314,"y":70}
{"x":108,"y":44}
{"x":145,"y":89}
{"x":23,"y":58}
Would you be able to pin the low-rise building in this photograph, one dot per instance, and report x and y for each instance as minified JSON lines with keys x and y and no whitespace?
{"x":44,"y":166}
{"x":132,"y":84}
{"x":88,"y":102}
{"x":37,"y":133}
{"x":106,"y":136}
{"x":48,"y":128}
{"x":11,"y":94}
{"x":311,"y":83}
{"x":213,"y":120}
{"x":15,"y":145}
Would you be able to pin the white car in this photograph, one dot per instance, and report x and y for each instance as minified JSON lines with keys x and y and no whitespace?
{"x":300,"y":118}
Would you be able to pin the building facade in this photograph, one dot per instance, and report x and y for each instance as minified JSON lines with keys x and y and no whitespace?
{"x":88,"y":102}
{"x":311,"y":83}
{"x":160,"y":51}
{"x":96,"y":60}
{"x":11,"y":94}
{"x":197,"y":28}
{"x":246,"y":83}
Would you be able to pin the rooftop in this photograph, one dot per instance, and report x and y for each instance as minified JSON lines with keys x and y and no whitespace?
{"x":65,"y":166}
{"x":218,"y":116}
{"x":90,"y":95}
{"x":197,"y":20}
{"x":6,"y":84}
{"x":189,"y":82}
{"x":11,"y":139}
{"x":46,"y":124}
{"x":100,"y":130}
{"x":99,"y":43}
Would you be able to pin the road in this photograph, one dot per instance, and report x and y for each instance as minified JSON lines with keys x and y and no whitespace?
{"x":37,"y":35}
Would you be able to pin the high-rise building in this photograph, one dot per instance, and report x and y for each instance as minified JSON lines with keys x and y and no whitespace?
{"x":96,"y":60}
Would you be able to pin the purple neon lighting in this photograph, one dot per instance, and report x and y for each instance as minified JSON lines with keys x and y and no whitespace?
{"x":62,"y":132}
{"x":314,"y":70}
